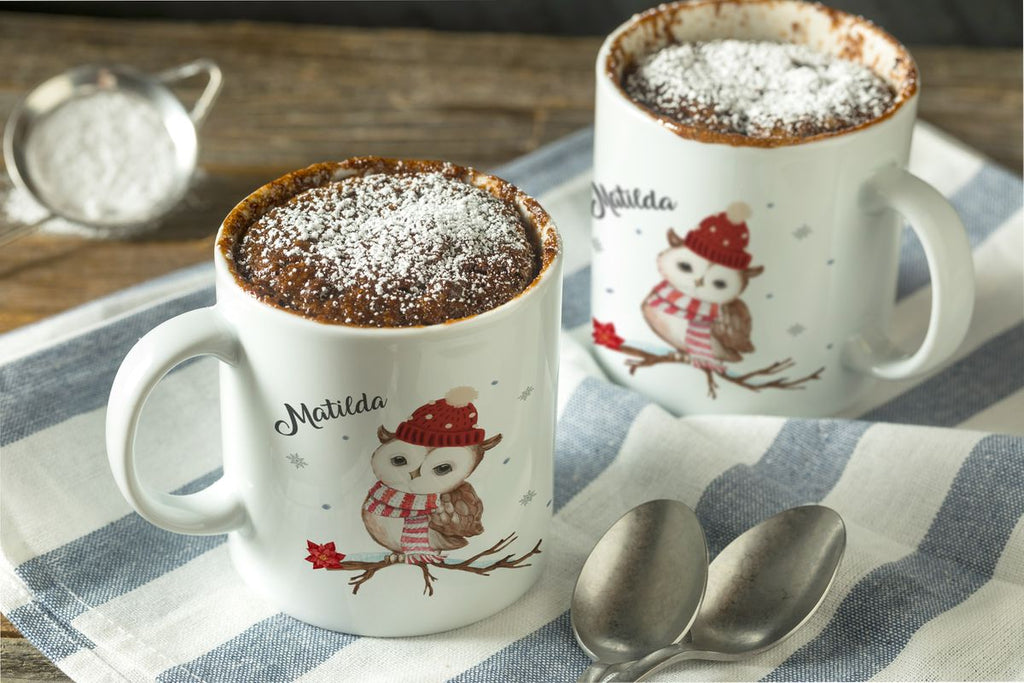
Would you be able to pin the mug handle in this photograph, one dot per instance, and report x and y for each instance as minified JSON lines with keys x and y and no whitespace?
{"x":214,"y":81}
{"x":950,"y":263}
{"x":216,"y":509}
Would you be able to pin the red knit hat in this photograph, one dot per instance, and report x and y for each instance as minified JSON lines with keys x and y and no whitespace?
{"x":448,"y":421}
{"x":723,"y":237}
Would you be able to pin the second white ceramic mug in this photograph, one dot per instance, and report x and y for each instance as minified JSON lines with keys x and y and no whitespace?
{"x":738,"y":275}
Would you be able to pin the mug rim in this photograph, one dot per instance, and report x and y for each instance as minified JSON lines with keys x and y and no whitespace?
{"x":608,"y":61}
{"x":281,"y":189}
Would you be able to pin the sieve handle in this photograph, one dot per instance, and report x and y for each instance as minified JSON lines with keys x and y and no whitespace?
{"x":14,"y":232}
{"x":215,"y":79}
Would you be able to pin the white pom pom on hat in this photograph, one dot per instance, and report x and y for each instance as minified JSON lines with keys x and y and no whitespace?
{"x":458,"y":397}
{"x":738,"y":212}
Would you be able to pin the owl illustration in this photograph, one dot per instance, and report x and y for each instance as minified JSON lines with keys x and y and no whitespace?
{"x":696,"y":307}
{"x":421,"y":505}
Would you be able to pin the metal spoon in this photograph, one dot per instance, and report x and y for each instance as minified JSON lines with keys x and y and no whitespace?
{"x":641,"y":586}
{"x":761,"y":588}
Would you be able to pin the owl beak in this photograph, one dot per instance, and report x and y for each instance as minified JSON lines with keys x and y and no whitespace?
{"x":699,"y":282}
{"x":415,"y":473}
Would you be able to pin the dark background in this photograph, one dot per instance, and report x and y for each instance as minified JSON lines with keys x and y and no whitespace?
{"x":993,"y":23}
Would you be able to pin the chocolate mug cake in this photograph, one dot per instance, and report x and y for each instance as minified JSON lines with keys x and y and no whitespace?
{"x":397,"y":244}
{"x":758,"y":89}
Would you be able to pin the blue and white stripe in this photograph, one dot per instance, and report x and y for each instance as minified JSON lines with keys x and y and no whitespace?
{"x":931,"y":586}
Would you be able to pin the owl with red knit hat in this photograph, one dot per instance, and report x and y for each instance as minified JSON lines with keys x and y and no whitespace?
{"x":696,"y":307}
{"x":421,"y":505}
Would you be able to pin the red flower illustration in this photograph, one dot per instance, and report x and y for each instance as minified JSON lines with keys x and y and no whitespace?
{"x":324,"y":556}
{"x":604,"y":335}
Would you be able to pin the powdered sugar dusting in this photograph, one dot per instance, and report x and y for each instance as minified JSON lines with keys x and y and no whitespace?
{"x":389,"y":250}
{"x":758,"y":89}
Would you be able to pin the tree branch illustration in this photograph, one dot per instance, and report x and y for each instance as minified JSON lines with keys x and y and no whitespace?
{"x":369,"y":569}
{"x":774,"y":368}
{"x":642,"y":359}
{"x":645,"y":359}
{"x":507,"y":562}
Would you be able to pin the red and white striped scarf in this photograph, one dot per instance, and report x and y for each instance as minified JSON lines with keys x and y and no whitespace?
{"x":415,"y":508}
{"x":698,"y":344}
{"x":700,"y":314}
{"x":665,"y":297}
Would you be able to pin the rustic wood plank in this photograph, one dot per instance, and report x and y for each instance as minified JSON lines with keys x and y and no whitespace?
{"x":295,"y":95}
{"x":308,"y":93}
{"x":975,"y":95}
{"x":19,"y":661}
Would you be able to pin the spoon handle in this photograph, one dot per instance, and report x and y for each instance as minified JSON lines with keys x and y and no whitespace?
{"x":641,"y":668}
{"x":593,"y":673}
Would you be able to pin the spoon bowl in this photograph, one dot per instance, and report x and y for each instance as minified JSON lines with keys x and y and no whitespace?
{"x":641,"y":586}
{"x":765,"y":585}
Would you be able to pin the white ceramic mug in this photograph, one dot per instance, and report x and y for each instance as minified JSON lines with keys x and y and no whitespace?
{"x":803,"y":233}
{"x":385,"y":482}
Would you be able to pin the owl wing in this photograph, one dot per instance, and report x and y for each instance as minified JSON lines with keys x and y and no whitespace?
{"x":730,"y":332}
{"x":458,"y":515}
{"x":661,"y":325}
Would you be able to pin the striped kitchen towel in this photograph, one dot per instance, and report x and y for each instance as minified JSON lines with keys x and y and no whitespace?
{"x":928,"y":475}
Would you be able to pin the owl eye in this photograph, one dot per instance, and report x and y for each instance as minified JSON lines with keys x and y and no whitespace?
{"x":399,"y":461}
{"x":685,"y":267}
{"x":441,"y":470}
{"x":719,"y":284}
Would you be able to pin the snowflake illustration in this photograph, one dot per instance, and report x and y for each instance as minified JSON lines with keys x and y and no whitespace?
{"x":297,"y":460}
{"x":527,"y":497}
{"x":526,"y":393}
{"x":802,"y":232}
{"x":598,"y":247}
{"x":796,"y":329}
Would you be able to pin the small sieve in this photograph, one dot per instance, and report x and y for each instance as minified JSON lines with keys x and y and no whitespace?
{"x":90,"y":79}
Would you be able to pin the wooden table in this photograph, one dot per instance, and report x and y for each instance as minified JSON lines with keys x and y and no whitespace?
{"x":297,"y":95}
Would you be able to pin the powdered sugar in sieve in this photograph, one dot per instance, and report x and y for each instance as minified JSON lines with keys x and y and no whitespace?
{"x":104,"y":147}
{"x":105,"y":157}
